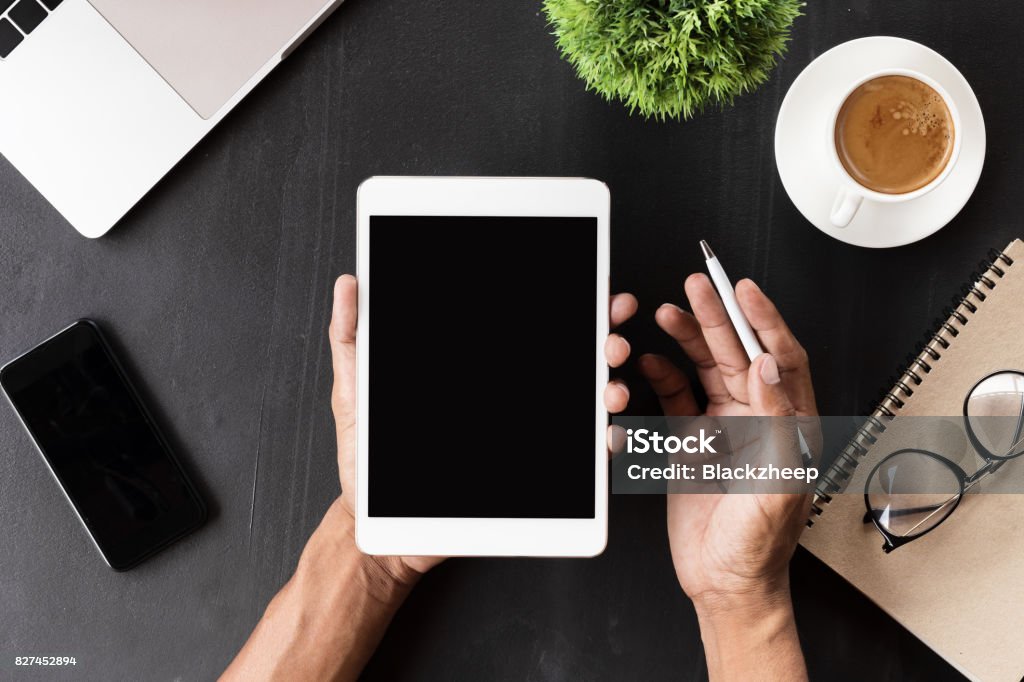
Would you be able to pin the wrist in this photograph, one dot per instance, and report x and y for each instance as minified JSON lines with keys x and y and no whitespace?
{"x":385,"y":579}
{"x":751,"y":634}
{"x":327,"y":620}
{"x":747,"y":601}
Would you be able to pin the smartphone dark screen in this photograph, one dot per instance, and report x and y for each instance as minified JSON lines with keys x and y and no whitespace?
{"x":482,"y":405}
{"x":102,"y":445}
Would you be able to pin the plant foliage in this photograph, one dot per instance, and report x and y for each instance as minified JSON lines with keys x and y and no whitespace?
{"x":670,"y":58}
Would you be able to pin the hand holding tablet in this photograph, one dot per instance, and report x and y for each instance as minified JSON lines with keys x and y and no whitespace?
{"x":333,"y":576}
{"x":343,"y":404}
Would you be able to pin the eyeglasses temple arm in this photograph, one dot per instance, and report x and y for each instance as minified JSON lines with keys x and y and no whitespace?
{"x":904,"y":512}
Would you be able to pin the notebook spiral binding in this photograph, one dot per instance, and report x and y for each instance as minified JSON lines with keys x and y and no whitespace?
{"x":918,"y":366}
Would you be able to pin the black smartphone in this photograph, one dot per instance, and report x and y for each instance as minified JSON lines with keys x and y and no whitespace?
{"x":102,"y":445}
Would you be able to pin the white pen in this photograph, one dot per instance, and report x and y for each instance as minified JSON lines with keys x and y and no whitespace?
{"x":732,"y":306}
{"x":739,"y":321}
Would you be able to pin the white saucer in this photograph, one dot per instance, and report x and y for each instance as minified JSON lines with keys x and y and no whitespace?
{"x":803,"y":157}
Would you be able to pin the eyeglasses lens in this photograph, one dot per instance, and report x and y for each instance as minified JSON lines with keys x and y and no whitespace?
{"x":912,"y":492}
{"x":995,"y":414}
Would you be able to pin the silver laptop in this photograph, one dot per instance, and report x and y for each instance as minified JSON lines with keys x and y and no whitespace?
{"x":100,"y":98}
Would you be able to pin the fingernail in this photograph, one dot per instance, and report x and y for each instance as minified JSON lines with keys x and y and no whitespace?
{"x":337,"y":294}
{"x":694,"y":277}
{"x":619,"y":305}
{"x":670,"y":306}
{"x":623,"y":388}
{"x":770,"y":371}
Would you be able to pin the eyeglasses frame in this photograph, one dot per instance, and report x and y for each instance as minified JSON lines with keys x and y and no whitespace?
{"x":992,"y":464}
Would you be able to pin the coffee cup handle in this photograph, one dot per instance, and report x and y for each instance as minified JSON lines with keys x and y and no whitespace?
{"x":845,"y":206}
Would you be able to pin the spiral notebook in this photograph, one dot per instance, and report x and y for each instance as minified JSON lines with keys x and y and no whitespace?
{"x":960,"y":588}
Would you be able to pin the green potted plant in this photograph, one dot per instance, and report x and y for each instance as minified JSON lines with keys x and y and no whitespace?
{"x":671,"y":58}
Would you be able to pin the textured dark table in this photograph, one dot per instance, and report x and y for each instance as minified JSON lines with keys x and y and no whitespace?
{"x":216,"y":287}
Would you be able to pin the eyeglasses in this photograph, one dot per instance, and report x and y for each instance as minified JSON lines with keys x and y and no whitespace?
{"x":912,"y":491}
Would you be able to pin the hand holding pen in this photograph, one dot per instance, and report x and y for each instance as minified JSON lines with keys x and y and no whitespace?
{"x":731,"y":551}
{"x":739,"y":321}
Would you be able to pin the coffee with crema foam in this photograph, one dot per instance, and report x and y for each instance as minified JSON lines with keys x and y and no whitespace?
{"x":894,"y":134}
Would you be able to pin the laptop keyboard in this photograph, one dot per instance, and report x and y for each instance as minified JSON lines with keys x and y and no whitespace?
{"x":19,"y":18}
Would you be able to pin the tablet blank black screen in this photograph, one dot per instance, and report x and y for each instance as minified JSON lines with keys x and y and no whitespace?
{"x":460,"y":392}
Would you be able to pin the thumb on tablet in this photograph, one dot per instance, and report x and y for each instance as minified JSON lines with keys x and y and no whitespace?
{"x":343,"y":354}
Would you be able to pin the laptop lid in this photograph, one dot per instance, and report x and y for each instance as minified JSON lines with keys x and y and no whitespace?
{"x":208,"y":49}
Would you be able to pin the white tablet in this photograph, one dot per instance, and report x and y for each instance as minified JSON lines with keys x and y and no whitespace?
{"x":483,"y":311}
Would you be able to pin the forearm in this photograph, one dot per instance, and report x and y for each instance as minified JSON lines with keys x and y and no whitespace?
{"x":752,"y":637}
{"x":327,"y":620}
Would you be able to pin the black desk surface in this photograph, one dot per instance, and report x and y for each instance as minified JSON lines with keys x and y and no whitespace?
{"x":217,"y":289}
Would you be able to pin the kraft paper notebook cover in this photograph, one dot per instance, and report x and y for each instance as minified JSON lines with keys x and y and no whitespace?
{"x":960,"y":588}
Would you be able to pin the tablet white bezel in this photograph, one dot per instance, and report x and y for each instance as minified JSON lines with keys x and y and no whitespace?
{"x":535,"y":197}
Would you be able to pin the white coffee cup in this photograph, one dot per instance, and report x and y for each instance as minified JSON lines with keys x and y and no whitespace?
{"x":851,"y":193}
